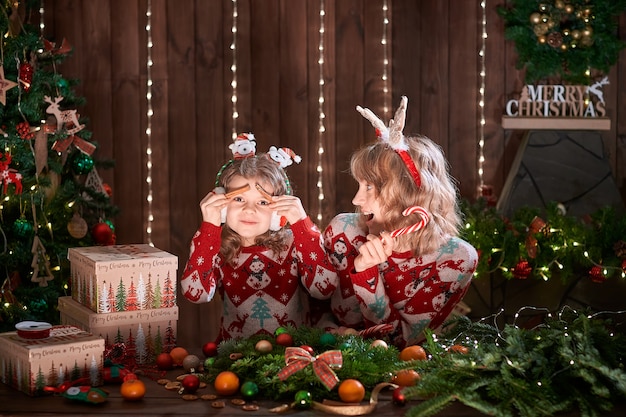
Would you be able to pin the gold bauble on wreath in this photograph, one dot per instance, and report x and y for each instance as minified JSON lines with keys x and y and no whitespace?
{"x":77,"y":227}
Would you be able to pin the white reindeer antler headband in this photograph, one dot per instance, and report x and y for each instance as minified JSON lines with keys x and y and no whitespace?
{"x":393,"y":135}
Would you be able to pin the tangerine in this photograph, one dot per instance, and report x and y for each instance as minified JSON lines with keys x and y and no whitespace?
{"x":178,"y":355}
{"x":413,"y":353}
{"x":459,"y":349}
{"x":351,"y":391}
{"x":406,"y":377}
{"x":226,"y":383}
{"x":132,"y":389}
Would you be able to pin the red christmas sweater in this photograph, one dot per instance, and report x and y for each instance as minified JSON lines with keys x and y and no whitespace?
{"x":261,"y":291}
{"x":407,"y":292}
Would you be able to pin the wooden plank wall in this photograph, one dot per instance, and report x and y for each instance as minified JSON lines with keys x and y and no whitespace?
{"x":433,"y":47}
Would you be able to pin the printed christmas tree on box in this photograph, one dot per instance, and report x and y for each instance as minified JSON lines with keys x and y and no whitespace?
{"x":116,"y":278}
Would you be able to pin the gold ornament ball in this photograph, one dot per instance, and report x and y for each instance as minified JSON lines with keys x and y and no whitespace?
{"x":559,"y":4}
{"x":563,"y":47}
{"x":535,"y":18}
{"x":541,"y":39}
{"x":569,"y":8}
{"x":587,"y":32}
{"x":263,"y":346}
{"x":379,"y":343}
{"x":77,"y":227}
{"x":576,"y":34}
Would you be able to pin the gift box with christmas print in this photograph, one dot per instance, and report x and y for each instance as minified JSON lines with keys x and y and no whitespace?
{"x":144,"y":333}
{"x":66,"y":354}
{"x":123,"y":277}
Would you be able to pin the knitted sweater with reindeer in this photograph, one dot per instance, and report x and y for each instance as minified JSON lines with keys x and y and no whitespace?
{"x":408,"y":292}
{"x":261,"y":290}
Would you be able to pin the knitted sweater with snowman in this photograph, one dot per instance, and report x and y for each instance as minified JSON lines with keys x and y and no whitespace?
{"x":261,"y":290}
{"x":408,"y":292}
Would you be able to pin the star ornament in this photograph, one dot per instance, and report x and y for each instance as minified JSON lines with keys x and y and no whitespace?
{"x":5,"y":85}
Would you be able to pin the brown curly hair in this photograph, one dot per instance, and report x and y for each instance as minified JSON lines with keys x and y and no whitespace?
{"x":379,"y":165}
{"x":267,"y":170}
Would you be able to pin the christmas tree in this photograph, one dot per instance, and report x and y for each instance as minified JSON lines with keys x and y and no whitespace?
{"x":51,"y":196}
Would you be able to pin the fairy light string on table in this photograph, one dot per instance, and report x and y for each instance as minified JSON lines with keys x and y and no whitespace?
{"x":149,"y":114}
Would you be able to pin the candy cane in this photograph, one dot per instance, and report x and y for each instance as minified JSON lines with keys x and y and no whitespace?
{"x":415,"y":227}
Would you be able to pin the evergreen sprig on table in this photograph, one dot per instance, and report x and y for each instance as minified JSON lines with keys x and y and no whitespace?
{"x":571,"y":361}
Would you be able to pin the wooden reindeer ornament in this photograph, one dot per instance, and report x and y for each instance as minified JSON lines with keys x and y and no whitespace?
{"x":67,"y":119}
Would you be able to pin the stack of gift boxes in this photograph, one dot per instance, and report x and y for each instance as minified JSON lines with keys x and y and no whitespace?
{"x":123,"y":300}
{"x":125,"y":294}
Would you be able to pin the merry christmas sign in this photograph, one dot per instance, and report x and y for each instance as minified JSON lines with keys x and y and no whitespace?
{"x":558,"y":107}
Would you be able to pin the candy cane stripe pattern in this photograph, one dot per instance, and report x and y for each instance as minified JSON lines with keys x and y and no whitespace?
{"x":414,"y":227}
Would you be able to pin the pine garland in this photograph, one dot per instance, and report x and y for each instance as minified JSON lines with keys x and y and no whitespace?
{"x":572,"y":361}
{"x":574,"y":40}
{"x":549,"y":243}
{"x":370,"y":365}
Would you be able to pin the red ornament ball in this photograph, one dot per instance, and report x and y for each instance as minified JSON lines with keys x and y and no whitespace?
{"x":164,"y":361}
{"x":398,"y":397}
{"x":308,"y":349}
{"x":284,"y":339}
{"x":209,"y":349}
{"x":102,"y":233}
{"x":190,"y":383}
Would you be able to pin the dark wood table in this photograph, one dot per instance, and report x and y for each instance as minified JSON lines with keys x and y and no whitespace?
{"x":160,"y":402}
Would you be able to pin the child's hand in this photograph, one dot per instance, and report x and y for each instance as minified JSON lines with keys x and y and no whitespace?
{"x":211,"y":207}
{"x":373,"y":252}
{"x":288,"y":206}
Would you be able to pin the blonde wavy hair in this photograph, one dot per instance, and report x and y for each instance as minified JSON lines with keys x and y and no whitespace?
{"x":380,"y":165}
{"x":267,"y":170}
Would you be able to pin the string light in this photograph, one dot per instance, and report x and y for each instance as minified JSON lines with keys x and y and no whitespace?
{"x":481,"y":99}
{"x":42,"y":24}
{"x":321,"y":117}
{"x":385,"y":43}
{"x":233,"y":69}
{"x":149,"y":115}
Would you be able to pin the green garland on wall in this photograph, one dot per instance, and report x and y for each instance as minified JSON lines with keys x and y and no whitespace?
{"x":573,"y":40}
{"x":542,"y":244}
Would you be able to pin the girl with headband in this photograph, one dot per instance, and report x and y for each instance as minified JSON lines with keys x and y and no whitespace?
{"x":257,"y":247}
{"x":404,"y":268}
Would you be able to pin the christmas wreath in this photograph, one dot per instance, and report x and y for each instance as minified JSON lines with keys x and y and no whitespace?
{"x":574,"y":40}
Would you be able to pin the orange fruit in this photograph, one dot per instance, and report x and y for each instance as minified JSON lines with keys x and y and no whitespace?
{"x":413,"y":353}
{"x":459,"y":349}
{"x":226,"y":383}
{"x":132,"y":389}
{"x":351,"y":391}
{"x":178,"y":355}
{"x":406,"y":377}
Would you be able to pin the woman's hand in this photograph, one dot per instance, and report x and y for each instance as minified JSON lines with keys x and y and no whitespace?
{"x":373,"y":252}
{"x":211,"y":207}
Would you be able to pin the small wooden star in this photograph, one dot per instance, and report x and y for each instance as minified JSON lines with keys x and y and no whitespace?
{"x":5,"y":85}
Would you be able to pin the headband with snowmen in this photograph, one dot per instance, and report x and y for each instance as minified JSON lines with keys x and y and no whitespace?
{"x":244,"y":146}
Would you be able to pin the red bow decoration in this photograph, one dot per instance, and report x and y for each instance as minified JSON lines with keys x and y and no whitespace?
{"x":84,"y":146}
{"x":297,"y":359}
